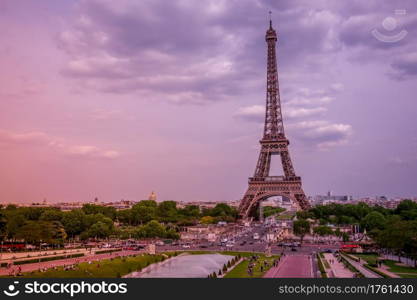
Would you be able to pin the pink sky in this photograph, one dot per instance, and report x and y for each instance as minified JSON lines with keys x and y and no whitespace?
{"x":114,"y":99}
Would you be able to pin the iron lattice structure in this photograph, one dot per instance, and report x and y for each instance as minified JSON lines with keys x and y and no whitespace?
{"x":274,"y":142}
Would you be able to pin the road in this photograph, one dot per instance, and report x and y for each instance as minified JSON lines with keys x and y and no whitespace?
{"x":244,"y":242}
{"x":292,"y":266}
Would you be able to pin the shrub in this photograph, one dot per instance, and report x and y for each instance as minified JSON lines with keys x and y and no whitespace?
{"x":370,"y":267}
{"x":321,"y":267}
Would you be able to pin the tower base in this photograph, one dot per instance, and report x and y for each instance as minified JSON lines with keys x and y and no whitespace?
{"x":262,"y":188}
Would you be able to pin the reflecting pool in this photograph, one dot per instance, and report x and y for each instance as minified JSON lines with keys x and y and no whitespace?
{"x":187,"y":266}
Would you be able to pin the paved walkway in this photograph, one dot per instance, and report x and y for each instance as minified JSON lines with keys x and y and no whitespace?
{"x":16,"y":256}
{"x":365,"y":272}
{"x":292,"y":266}
{"x":68,"y":261}
{"x":384,"y":269}
{"x":338,"y":269}
{"x":404,"y":260}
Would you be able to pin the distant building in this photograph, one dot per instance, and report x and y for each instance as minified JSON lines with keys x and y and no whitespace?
{"x":330,"y":198}
{"x":152,"y":196}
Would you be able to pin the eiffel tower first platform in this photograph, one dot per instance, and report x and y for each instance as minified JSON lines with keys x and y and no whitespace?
{"x":274,"y":142}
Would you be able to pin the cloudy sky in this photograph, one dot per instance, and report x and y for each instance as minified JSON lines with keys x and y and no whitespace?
{"x":115,"y":99}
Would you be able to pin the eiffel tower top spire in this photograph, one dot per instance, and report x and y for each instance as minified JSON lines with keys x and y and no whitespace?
{"x":274,"y":127}
{"x":270,"y":19}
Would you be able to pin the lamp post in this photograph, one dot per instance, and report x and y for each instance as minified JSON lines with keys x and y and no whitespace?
{"x":40,"y":250}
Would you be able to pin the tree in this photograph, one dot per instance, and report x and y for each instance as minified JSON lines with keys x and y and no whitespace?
{"x":398,"y":236}
{"x":144,"y":211}
{"x":93,"y":209}
{"x":167,"y":211}
{"x":125,"y":216}
{"x":99,"y":230}
{"x":15,"y":220}
{"x":301,"y":228}
{"x":374,"y":220}
{"x":89,"y":220}
{"x":74,"y":222}
{"x":207,"y":220}
{"x":407,"y":209}
{"x":222,"y":210}
{"x":3,"y":225}
{"x":323,"y":230}
{"x":51,"y":232}
{"x":269,"y":211}
{"x":345,"y":237}
{"x":51,"y":215}
{"x":190,"y":211}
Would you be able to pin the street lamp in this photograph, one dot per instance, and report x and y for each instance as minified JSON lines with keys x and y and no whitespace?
{"x":40,"y":250}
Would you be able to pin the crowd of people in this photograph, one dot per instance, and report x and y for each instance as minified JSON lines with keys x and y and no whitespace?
{"x":263,"y":265}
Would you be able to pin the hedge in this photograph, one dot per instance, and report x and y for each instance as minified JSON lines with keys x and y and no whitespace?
{"x":35,"y":260}
{"x":384,"y":275}
{"x":351,"y":257}
{"x":321,"y":267}
{"x":350,"y":266}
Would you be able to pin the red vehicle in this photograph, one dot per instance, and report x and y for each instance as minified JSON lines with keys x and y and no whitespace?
{"x":349,"y":247}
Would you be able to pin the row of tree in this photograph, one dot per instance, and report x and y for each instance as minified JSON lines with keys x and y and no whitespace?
{"x":167,"y":212}
{"x":392,"y":229}
{"x":146,"y":219}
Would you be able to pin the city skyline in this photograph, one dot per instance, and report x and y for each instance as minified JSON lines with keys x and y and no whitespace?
{"x":116,"y":99}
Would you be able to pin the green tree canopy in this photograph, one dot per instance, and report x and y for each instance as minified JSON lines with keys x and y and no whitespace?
{"x":374,"y":220}
{"x":301,"y":228}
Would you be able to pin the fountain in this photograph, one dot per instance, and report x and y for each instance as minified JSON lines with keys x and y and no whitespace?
{"x":187,"y":266}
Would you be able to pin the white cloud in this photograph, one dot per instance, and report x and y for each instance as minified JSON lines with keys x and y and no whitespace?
{"x":256,"y":113}
{"x":323,"y":134}
{"x":251,"y":113}
{"x":59,"y":145}
{"x":297,"y":112}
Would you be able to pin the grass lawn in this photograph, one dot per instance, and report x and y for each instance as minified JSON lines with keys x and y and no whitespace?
{"x":393,"y":267}
{"x":284,"y":217}
{"x":369,"y":258}
{"x":407,"y":275}
{"x":240,"y":271}
{"x":100,"y":269}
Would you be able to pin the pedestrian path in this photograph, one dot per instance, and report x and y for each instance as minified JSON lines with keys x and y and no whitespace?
{"x":359,"y":266}
{"x":292,"y":266}
{"x":338,"y":269}
{"x":61,"y":262}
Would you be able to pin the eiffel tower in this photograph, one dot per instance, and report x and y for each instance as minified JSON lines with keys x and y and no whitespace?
{"x":274,"y":142}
